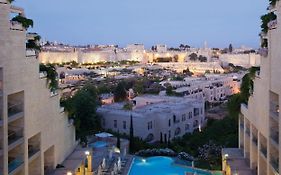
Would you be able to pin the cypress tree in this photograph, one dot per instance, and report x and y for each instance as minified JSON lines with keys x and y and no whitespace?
{"x":118,"y":144}
{"x":131,"y":145}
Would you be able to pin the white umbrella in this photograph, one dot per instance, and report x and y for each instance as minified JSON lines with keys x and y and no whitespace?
{"x":103,"y":163}
{"x":119,"y":164}
{"x":115,"y":169}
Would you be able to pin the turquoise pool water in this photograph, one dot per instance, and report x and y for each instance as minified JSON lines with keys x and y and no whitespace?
{"x":160,"y":166}
{"x":98,"y":144}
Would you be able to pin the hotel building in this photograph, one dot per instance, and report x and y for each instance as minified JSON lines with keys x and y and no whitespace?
{"x":259,"y":121}
{"x":35,"y":134}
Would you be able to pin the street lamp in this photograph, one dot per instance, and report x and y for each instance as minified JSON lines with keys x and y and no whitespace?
{"x":69,"y":173}
{"x":87,"y":153}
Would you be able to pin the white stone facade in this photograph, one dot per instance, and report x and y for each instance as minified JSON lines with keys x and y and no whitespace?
{"x":155,"y":117}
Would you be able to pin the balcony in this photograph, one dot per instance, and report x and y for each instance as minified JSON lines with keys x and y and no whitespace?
{"x":274,"y":135}
{"x":30,"y":53}
{"x":14,"y":25}
{"x":275,"y":164}
{"x":272,"y":24}
{"x":33,"y":153}
{"x":3,"y":2}
{"x":274,"y":111}
{"x":255,"y":140}
{"x":263,"y":151}
{"x":42,"y":75}
{"x":14,"y":163}
{"x":17,"y":10}
{"x":15,"y":110}
{"x":54,"y":93}
{"x":248,"y":131}
{"x":15,"y":134}
{"x":241,"y":125}
{"x":263,"y":52}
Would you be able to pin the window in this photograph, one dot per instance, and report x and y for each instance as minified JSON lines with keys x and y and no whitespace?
{"x":196,"y":111}
{"x":190,"y":115}
{"x":149,"y":125}
{"x":115,"y":123}
{"x":169,"y":122}
{"x":183,"y":117}
{"x":124,"y":125}
{"x":186,"y":127}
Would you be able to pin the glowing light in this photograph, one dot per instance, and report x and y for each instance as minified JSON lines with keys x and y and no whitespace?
{"x":69,"y":173}
{"x":143,"y":160}
{"x":226,"y":155}
{"x":87,"y":153}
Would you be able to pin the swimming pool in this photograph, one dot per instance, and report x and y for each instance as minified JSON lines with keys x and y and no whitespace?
{"x":160,"y":166}
{"x":98,"y":144}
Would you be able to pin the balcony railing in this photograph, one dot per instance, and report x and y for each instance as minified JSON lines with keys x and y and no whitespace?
{"x":274,"y":136}
{"x":275,"y":164}
{"x":242,"y":125}
{"x":42,"y":74}
{"x":32,"y":152}
{"x":263,"y":52}
{"x":248,"y":131}
{"x":16,"y":26}
{"x":274,"y":110}
{"x":14,"y":109}
{"x":14,"y":134}
{"x":272,"y":24}
{"x":30,"y":53}
{"x":14,"y":163}
{"x":263,"y":150}
{"x":255,"y":140}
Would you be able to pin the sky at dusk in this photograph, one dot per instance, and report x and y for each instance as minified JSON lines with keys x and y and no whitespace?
{"x":171,"y":22}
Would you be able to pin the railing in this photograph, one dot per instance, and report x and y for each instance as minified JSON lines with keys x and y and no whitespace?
{"x":14,"y":134}
{"x":15,"y":109}
{"x":54,"y":93}
{"x":30,"y":53}
{"x":263,"y":150}
{"x":258,"y":74}
{"x":32,"y":152}
{"x":248,"y":131}
{"x":42,"y":74}
{"x":274,"y":110}
{"x":272,"y":24}
{"x":17,"y":10}
{"x":263,"y":52}
{"x":15,"y":163}
{"x":16,"y":26}
{"x":274,"y":135}
{"x":255,"y":140}
{"x":242,"y":125}
{"x":263,"y":35}
{"x":275,"y":164}
{"x":3,"y":1}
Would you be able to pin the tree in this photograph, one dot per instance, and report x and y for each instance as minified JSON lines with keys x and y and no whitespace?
{"x":120,"y":93}
{"x":230,"y":48}
{"x":82,"y":109}
{"x":193,"y":57}
{"x":52,"y":75}
{"x":169,"y":90}
{"x":26,"y":23}
{"x":118,"y":144}
{"x":202,"y":58}
{"x":131,"y":139}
